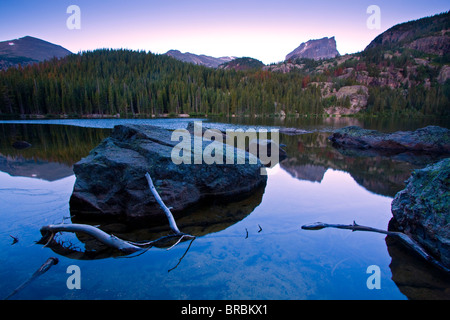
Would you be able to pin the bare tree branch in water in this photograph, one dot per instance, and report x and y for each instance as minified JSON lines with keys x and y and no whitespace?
{"x":42,"y":269}
{"x":172,"y":223}
{"x":111,"y":240}
{"x":405,"y":239}
{"x":105,"y":238}
{"x":179,"y":260}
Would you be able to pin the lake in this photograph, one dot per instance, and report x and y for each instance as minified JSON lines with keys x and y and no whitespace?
{"x":250,"y":249}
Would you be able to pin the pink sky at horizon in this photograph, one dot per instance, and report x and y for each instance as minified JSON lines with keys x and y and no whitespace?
{"x":265,"y":30}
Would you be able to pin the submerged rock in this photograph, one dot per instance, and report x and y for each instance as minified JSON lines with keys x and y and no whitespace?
{"x":20,"y":145}
{"x":422,"y":209}
{"x":293,"y":131}
{"x":428,"y":139}
{"x":110,"y":181}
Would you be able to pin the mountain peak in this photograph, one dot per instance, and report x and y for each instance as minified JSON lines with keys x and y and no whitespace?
{"x":29,"y":50}
{"x":318,"y":49}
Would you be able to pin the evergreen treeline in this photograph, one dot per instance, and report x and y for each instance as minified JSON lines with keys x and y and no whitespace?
{"x":129,"y":82}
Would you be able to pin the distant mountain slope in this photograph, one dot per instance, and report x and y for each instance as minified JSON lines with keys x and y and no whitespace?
{"x":242,"y":64}
{"x":28,"y":50}
{"x":406,"y":69}
{"x":430,"y":35}
{"x":324,"y":48}
{"x":198,"y":59}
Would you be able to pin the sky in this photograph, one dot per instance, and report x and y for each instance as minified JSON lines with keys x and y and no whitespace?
{"x":264,"y":30}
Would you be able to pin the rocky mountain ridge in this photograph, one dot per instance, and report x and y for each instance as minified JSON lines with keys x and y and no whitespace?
{"x":242,"y":64}
{"x":203,"y":60}
{"x":429,"y":35}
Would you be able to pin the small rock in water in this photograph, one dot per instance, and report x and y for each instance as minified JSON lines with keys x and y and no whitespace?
{"x":21,"y":145}
{"x":428,"y":139}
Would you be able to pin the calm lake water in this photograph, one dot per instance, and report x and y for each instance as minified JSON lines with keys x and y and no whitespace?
{"x":251,"y":249}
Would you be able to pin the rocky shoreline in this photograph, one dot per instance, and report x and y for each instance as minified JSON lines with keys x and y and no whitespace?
{"x":422,"y":209}
{"x":429,"y":139}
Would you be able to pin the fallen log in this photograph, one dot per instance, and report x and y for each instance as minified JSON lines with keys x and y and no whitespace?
{"x":404,"y":238}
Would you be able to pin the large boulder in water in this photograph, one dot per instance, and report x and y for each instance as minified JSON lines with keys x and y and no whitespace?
{"x":428,"y":139}
{"x":111,"y":184}
{"x":422,"y":209}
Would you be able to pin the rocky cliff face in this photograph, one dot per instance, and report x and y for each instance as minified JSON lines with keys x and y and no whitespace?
{"x":357,"y":97}
{"x":198,"y":59}
{"x":324,"y":48}
{"x":439,"y":45}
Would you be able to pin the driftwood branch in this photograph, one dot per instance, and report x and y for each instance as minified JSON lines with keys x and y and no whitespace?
{"x":172,"y":223}
{"x":353,"y":227}
{"x":112,"y":241}
{"x":105,"y":238}
{"x":405,"y":239}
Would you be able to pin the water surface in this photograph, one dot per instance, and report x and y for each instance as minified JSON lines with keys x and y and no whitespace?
{"x":251,"y":249}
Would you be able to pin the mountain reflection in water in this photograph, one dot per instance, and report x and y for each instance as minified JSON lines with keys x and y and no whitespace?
{"x":311,"y":155}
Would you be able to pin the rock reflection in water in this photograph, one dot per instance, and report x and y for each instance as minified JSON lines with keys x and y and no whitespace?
{"x":205,"y":218}
{"x":311,"y":155}
{"x":381,"y":172}
{"x":414,"y":277}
